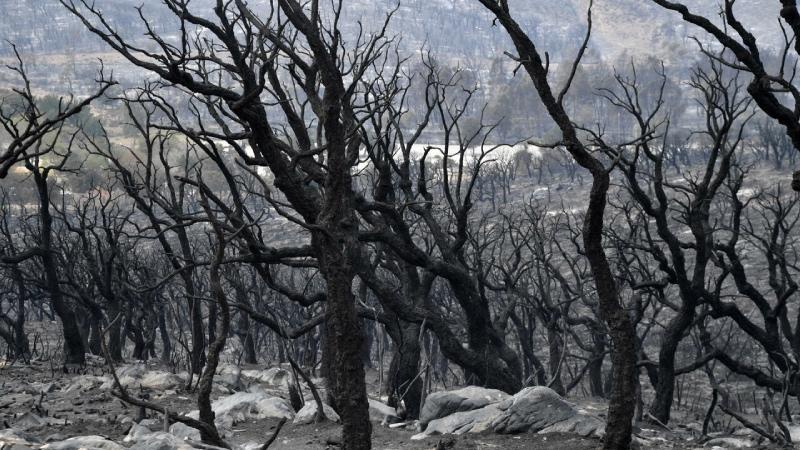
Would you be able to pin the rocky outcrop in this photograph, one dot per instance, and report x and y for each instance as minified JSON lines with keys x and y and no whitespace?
{"x":84,"y":443}
{"x":274,"y":376}
{"x":475,"y":421}
{"x":242,"y":406}
{"x":536,"y":410}
{"x":179,"y":437}
{"x":442,"y":404}
{"x":229,"y":376}
{"x":308,"y":413}
{"x":382,"y":413}
{"x":532,"y":409}
{"x":136,"y":376}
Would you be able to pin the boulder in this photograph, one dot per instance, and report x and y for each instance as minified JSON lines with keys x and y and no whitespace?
{"x":154,"y":424}
{"x":537,"y":410}
{"x":160,"y":381}
{"x":730,"y":442}
{"x":37,"y":388}
{"x":16,"y":437}
{"x":274,"y":376}
{"x":229,"y":376}
{"x":138,"y":432}
{"x":84,"y":443}
{"x":30,"y":421}
{"x":257,"y":388}
{"x":581,"y":424}
{"x":145,"y":437}
{"x":382,"y":413}
{"x":442,"y":404}
{"x":274,"y":408}
{"x":132,"y":371}
{"x":794,"y":432}
{"x":86,"y":383}
{"x":475,"y":421}
{"x":246,"y":405}
{"x":162,"y":441}
{"x":532,"y":409}
{"x":156,"y":380}
{"x":309,"y":411}
{"x":182,"y":431}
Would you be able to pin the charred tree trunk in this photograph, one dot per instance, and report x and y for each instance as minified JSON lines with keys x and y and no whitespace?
{"x":74,"y":350}
{"x":197,"y":357}
{"x":221,"y":322}
{"x":336,"y":247}
{"x":556,"y":354}
{"x":114,"y":332}
{"x":21,"y":346}
{"x":343,"y":347}
{"x":665,"y":384}
{"x":245,"y":333}
{"x":404,"y":383}
{"x":95,"y":334}
{"x":596,"y":367}
{"x":166,"y":341}
{"x":369,"y":338}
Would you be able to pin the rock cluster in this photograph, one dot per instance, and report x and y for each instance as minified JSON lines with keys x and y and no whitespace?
{"x":474,"y":410}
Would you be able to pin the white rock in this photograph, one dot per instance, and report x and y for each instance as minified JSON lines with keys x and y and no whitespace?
{"x":730,"y":442}
{"x":156,"y":380}
{"x":84,"y":443}
{"x":794,"y":431}
{"x":30,"y":421}
{"x":161,"y":381}
{"x":13,"y":436}
{"x":275,"y":376}
{"x":537,"y":409}
{"x":442,"y":404}
{"x":249,"y":446}
{"x":183,"y":431}
{"x":274,"y":408}
{"x":475,"y":421}
{"x":229,"y":376}
{"x":162,"y":441}
{"x":138,"y":433}
{"x":85,"y":383}
{"x":245,"y":405}
{"x":382,"y":413}
{"x":309,"y":411}
{"x":581,"y":424}
{"x":532,"y":409}
{"x":132,"y":371}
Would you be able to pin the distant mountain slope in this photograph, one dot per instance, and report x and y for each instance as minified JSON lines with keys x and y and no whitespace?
{"x":457,"y":29}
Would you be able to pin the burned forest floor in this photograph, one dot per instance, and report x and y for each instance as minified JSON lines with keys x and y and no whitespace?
{"x":42,"y":407}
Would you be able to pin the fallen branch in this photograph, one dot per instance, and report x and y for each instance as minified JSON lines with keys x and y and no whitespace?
{"x":752,"y":426}
{"x":274,"y":435}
